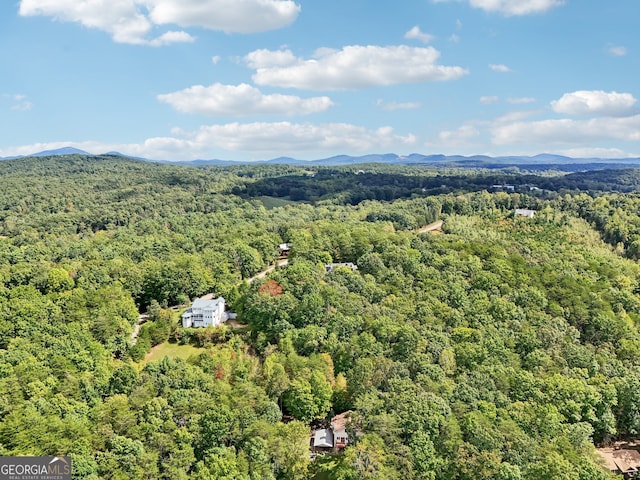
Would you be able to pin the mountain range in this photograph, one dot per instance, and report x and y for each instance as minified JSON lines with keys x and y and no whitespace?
{"x":541,"y":161}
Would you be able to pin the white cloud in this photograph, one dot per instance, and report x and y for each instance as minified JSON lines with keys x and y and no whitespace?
{"x":617,"y":51}
{"x":568,"y":131}
{"x":595,"y":102}
{"x":520,"y":100}
{"x":131,"y":21}
{"x":18,"y":101}
{"x":454,"y":38}
{"x":171,"y":37}
{"x":23,"y":106}
{"x":241,"y":16}
{"x":262,"y":59}
{"x":248,"y":141}
{"x":514,"y":116}
{"x":215,"y":59}
{"x":588,"y":152}
{"x":499,"y":68}
{"x":460,"y":136}
{"x":392,"y":106}
{"x":350,"y":68}
{"x":513,"y":7}
{"x":487,"y":100}
{"x":416,"y":34}
{"x":241,"y":100}
{"x":289,"y":137}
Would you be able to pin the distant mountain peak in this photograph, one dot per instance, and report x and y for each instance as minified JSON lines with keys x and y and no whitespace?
{"x":60,"y":151}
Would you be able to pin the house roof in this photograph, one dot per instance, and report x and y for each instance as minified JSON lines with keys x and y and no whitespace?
{"x":623,"y":460}
{"x":339,"y":422}
{"x":323,"y":437}
{"x":524,"y":211}
{"x":203,"y":303}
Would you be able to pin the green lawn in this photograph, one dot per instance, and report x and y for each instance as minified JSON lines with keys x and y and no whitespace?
{"x":171,"y":350}
{"x":273,"y":202}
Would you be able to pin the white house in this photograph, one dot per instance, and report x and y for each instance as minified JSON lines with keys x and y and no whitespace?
{"x":332,"y":266}
{"x":339,"y":425}
{"x":525,"y":212}
{"x":205,"y":313}
{"x":323,"y":438}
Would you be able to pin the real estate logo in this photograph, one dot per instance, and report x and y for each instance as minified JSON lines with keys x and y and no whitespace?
{"x":35,"y":468}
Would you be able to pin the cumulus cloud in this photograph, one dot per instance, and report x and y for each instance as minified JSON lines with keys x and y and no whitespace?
{"x":568,"y":131}
{"x":488,"y":100}
{"x":520,"y":100}
{"x":513,"y":7}
{"x":350,"y":68}
{"x":595,"y":102}
{"x":253,"y":140}
{"x":499,"y":68}
{"x":19,"y":102}
{"x":241,"y":100}
{"x":416,"y":34}
{"x":617,"y":51}
{"x":392,"y":106}
{"x":288,"y":137}
{"x":459,"y":136}
{"x":131,"y":21}
{"x":240,"y":16}
{"x":171,"y":37}
{"x":598,"y":152}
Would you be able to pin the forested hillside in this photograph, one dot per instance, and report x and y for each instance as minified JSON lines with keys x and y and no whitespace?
{"x":502,"y":347}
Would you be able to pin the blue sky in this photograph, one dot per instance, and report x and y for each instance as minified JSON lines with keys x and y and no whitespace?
{"x":258,"y":79}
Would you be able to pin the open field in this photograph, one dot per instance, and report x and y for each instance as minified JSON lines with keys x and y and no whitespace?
{"x":171,"y":350}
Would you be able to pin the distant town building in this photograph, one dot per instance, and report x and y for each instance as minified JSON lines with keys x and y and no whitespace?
{"x":205,"y":313}
{"x":284,"y":249}
{"x":524,"y":212}
{"x":509,"y":188}
{"x":332,"y":266}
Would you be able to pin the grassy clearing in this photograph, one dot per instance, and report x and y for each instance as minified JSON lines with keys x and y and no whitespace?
{"x":272,"y":202}
{"x":171,"y":350}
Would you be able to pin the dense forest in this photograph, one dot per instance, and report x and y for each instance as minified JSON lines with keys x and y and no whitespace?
{"x":501,"y":347}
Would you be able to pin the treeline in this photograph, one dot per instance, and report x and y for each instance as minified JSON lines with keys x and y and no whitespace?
{"x":351,"y":186}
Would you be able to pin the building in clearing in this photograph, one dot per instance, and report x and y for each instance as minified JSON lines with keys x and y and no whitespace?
{"x":525,"y":212}
{"x":322,"y":439}
{"x":205,"y":313}
{"x":339,"y":426}
{"x":284,"y":249}
{"x":332,"y":266}
{"x":622,"y":461}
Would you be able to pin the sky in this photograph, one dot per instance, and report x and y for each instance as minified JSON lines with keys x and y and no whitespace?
{"x":260,"y":79}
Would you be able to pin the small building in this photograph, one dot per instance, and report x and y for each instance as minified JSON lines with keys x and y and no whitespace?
{"x":332,"y":266}
{"x":339,"y":425}
{"x":622,"y":461}
{"x":508,"y":188}
{"x":205,"y":313}
{"x":525,"y":212}
{"x":284,"y":249}
{"x":322,"y":440}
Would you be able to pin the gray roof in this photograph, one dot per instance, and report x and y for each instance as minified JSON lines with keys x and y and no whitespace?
{"x":323,"y":437}
{"x":201,"y":303}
